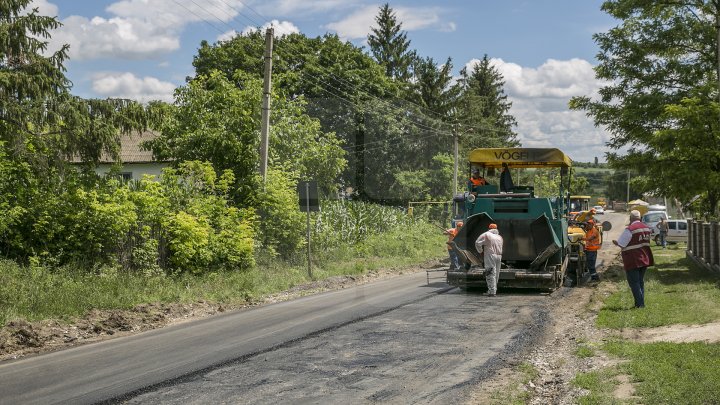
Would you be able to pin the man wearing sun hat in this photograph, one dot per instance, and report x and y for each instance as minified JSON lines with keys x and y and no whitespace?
{"x":492,"y":244}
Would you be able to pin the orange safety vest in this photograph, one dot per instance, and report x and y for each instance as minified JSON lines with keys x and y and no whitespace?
{"x":592,"y":239}
{"x":452,"y":234}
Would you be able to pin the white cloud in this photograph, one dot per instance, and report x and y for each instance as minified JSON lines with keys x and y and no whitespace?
{"x":359,"y":23}
{"x":540,"y":104}
{"x":282,"y":28}
{"x":139,"y":28}
{"x":127,"y":85}
{"x":227,"y":35}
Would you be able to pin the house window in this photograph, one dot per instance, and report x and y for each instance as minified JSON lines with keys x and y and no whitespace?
{"x":126,"y":176}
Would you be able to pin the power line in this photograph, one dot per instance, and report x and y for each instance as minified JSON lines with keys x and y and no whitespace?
{"x":406,"y":113}
{"x":339,"y":79}
{"x":419,"y":125}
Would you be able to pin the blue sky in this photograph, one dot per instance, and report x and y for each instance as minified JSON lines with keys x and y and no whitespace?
{"x":143,"y":49}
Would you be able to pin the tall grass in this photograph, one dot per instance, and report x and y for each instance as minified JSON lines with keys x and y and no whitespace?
{"x":342,"y":222}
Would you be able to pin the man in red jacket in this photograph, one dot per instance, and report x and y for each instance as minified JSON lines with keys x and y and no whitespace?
{"x":636,"y":255}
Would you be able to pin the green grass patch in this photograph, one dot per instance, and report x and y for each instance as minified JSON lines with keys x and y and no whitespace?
{"x":665,"y":373}
{"x":675,"y":293}
{"x":584,"y":351}
{"x":671,"y":373}
{"x":515,"y":393}
{"x":600,"y":386}
{"x":36,"y":293}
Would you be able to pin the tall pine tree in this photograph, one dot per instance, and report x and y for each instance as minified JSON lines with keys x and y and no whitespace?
{"x":389,"y":45}
{"x":433,"y":91}
{"x":483,"y":108}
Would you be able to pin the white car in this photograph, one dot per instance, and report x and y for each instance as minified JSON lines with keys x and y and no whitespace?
{"x":651,"y":219}
{"x":599,"y":210}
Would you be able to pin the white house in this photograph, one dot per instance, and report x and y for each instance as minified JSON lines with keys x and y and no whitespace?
{"x":135,"y":161}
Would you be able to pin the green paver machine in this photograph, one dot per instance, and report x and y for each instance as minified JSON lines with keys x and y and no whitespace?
{"x":534,"y":229}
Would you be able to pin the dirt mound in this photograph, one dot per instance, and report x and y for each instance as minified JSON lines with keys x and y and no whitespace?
{"x":20,"y":338}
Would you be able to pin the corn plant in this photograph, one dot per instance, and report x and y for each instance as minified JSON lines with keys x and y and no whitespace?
{"x":349,"y":222}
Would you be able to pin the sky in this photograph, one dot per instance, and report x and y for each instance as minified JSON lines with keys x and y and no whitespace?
{"x":143,"y":49}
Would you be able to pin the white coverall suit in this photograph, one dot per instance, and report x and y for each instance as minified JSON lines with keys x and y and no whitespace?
{"x":492,"y":243}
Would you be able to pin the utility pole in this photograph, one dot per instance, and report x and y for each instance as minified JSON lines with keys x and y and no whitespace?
{"x":267,"y":89}
{"x":455,"y":168}
{"x":628,"y":190}
{"x":717,"y":37}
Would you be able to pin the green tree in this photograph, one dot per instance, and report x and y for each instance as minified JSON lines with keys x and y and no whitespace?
{"x":218,"y":121}
{"x":390,"y":46}
{"x":41,"y":123}
{"x":547,"y":183}
{"x":435,"y":95}
{"x":617,"y":186}
{"x":43,"y":127}
{"x":343,"y":87}
{"x":661,"y":64}
{"x":483,"y":113}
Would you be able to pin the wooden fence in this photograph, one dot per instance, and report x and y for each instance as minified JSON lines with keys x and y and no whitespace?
{"x":704,"y":244}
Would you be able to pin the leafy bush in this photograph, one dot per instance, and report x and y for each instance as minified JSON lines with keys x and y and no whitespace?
{"x":185,"y":222}
{"x":282,"y":226}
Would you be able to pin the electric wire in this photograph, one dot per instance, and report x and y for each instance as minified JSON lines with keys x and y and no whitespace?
{"x":405,"y":113}
{"x":356,"y":88}
{"x":324,"y":84}
{"x":338,"y":79}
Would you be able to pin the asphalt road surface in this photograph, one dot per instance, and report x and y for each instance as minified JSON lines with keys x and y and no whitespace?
{"x":399,"y":340}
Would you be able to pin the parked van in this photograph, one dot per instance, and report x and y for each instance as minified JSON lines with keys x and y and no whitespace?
{"x":651,"y":219}
{"x":677,"y":232}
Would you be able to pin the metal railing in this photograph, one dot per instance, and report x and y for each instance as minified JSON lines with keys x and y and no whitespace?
{"x":704,"y":244}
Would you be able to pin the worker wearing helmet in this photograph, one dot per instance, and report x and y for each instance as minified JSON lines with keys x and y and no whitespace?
{"x":452,"y":233}
{"x":492,"y":244}
{"x":593,"y":242}
{"x":476,"y":179}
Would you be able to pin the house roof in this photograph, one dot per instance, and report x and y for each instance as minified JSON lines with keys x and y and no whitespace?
{"x":130,"y":149}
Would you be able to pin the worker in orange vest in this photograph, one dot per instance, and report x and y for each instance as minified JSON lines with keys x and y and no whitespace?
{"x":593,"y":242}
{"x":452,"y":233}
{"x":476,"y":179}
